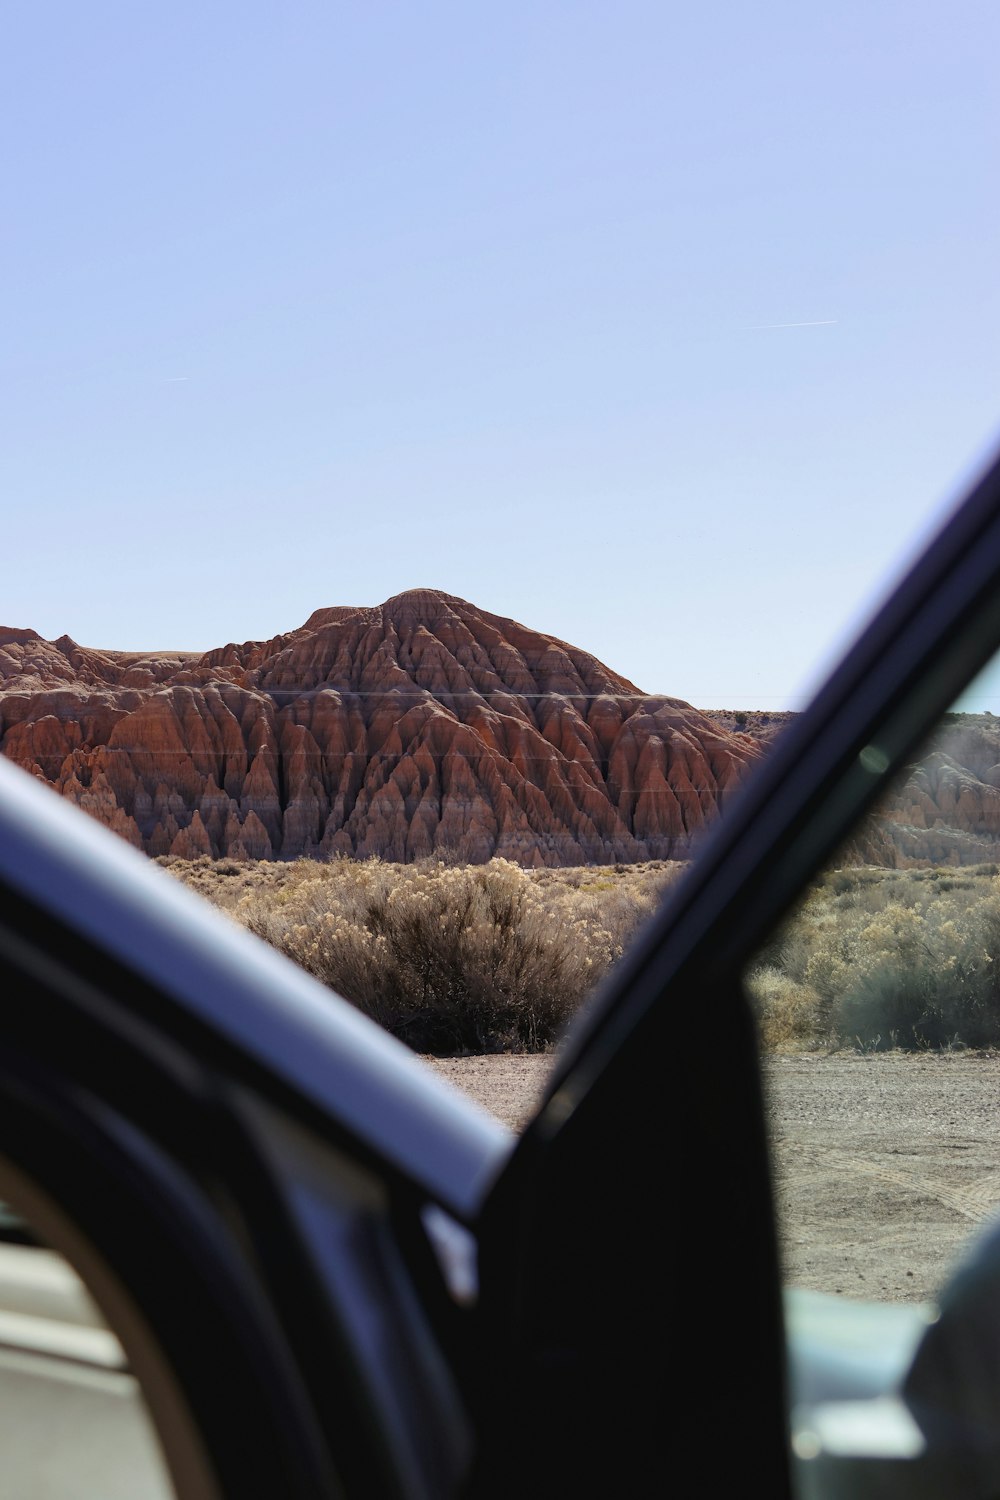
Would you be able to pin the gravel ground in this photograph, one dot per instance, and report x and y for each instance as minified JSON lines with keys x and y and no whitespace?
{"x":509,"y":1085}
{"x":884,"y":1164}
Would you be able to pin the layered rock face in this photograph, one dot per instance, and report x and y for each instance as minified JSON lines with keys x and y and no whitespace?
{"x":947,"y":808}
{"x":420,"y":726}
{"x":943,"y":810}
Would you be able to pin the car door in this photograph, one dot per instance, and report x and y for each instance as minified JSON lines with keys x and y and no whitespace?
{"x":628,"y":1250}
{"x":332,"y":1276}
{"x":241,"y":1169}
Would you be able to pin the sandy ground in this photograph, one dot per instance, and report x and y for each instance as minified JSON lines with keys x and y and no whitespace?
{"x":885,"y":1165}
{"x":508,"y":1085}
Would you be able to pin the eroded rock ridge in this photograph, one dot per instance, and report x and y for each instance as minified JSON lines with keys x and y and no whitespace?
{"x":944,"y":809}
{"x":420,"y":726}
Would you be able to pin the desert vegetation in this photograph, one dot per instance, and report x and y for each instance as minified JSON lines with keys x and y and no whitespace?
{"x":451,"y":959}
{"x":877,"y":959}
{"x":484,"y":958}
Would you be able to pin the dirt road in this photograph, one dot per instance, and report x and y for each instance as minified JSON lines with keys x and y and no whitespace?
{"x":884,"y":1164}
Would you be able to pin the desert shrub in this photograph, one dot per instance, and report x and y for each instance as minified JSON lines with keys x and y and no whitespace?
{"x":927,"y":978}
{"x":882,"y":959}
{"x":787,"y":1012}
{"x":451,"y":959}
{"x":493,"y":957}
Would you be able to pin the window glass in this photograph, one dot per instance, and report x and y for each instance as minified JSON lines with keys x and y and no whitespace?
{"x":878,"y":1003}
{"x":73,"y":1421}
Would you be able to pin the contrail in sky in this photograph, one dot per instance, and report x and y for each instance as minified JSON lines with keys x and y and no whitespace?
{"x":816,"y":323}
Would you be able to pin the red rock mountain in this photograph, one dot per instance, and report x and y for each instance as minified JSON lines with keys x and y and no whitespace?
{"x":420,"y":726}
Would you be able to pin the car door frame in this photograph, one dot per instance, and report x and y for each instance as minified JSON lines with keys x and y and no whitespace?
{"x":668,"y":1046}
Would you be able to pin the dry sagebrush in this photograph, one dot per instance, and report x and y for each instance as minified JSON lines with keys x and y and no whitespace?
{"x":474,"y":958}
{"x":493,"y":957}
{"x":879,"y":959}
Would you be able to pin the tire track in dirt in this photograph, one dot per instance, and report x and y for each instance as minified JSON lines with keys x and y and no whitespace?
{"x":976,"y":1201}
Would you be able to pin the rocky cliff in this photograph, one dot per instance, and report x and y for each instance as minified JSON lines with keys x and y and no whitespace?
{"x":420,"y":726}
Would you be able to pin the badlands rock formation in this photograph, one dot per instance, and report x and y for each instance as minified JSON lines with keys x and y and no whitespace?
{"x":947,"y":809}
{"x":420,"y":726}
{"x":944,"y":809}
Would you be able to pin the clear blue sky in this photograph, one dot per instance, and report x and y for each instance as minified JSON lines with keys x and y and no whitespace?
{"x":306,"y":304}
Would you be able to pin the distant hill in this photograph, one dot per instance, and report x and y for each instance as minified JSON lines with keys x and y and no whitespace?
{"x":427,"y":726}
{"x":419,"y":726}
{"x":944,"y":810}
{"x":947,"y":808}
